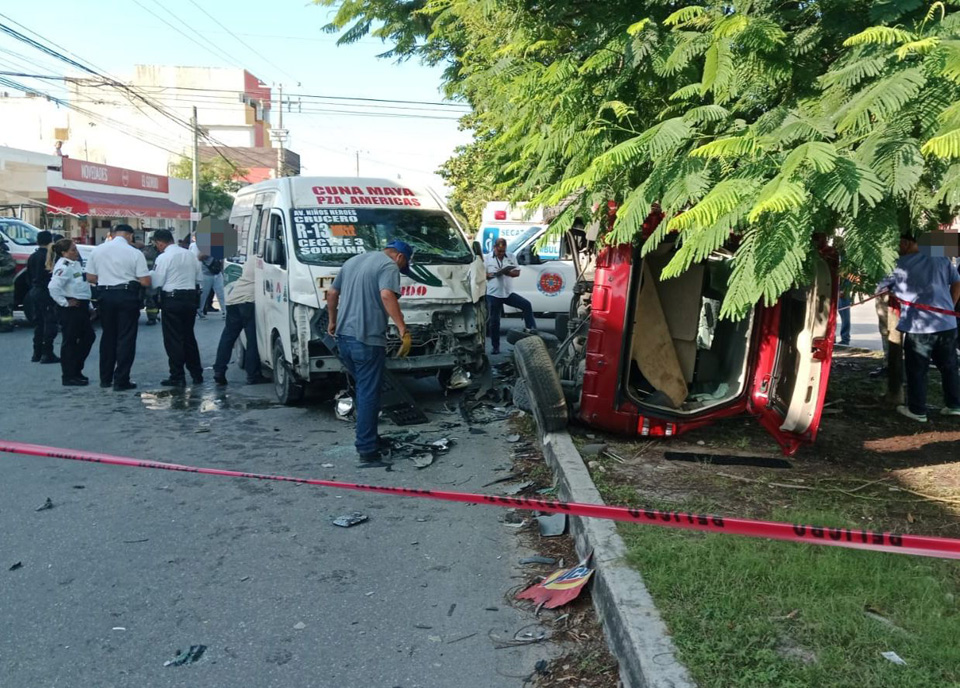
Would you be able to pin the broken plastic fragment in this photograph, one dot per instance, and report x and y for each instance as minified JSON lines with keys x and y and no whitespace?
{"x":422,"y":460}
{"x":343,"y":405}
{"x":552,"y":525}
{"x":893,"y":657}
{"x":559,"y":587}
{"x":513,"y":438}
{"x":46,"y":505}
{"x":459,"y":379}
{"x":189,"y":657}
{"x":348,"y":520}
{"x":518,"y":488}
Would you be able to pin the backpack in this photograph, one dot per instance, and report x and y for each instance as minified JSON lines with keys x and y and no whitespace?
{"x":215,"y":266}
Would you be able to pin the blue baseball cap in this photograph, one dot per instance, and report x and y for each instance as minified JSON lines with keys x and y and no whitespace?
{"x":405,"y":249}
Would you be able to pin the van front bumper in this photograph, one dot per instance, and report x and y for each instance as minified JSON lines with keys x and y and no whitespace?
{"x":325,"y":365}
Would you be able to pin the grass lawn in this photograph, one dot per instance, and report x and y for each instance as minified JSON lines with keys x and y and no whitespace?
{"x":747,"y":612}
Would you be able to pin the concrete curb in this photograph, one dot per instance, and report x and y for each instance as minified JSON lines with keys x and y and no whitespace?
{"x":635,"y":632}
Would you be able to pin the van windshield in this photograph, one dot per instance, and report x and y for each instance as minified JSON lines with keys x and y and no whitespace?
{"x":19,"y":232}
{"x":330,"y":236}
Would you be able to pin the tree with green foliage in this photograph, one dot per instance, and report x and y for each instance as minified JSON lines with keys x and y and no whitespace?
{"x":218,"y":181}
{"x":754,"y":123}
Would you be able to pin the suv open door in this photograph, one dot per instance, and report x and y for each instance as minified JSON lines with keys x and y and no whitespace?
{"x":793,"y":360}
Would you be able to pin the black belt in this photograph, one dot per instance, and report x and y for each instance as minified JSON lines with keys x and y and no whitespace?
{"x":120,"y":287}
{"x":177,"y":293}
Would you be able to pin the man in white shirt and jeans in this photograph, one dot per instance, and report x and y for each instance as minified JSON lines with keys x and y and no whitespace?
{"x":501,"y":268}
{"x":176,"y":273}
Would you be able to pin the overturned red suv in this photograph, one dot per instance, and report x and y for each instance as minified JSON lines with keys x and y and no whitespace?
{"x":652,"y":358}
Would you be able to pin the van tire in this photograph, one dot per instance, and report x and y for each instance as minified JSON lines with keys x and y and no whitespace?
{"x":547,"y":401}
{"x":561,"y":326}
{"x":289,"y":392}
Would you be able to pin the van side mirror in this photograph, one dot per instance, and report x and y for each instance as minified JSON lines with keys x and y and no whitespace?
{"x":477,"y":249}
{"x":273,"y":253}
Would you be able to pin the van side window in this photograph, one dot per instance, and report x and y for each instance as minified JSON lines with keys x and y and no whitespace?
{"x":263,"y":225}
{"x":242,"y":228}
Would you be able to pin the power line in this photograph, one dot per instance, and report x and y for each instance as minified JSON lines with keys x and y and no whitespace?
{"x":244,"y":43}
{"x":222,"y":54}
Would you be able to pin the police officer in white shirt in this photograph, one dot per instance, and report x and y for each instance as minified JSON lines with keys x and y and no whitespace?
{"x":118,"y":270}
{"x":501,"y":268}
{"x":176,"y":273}
{"x":71,"y":292}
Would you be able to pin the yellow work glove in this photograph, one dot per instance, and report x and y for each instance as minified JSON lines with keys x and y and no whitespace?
{"x":406,"y":342}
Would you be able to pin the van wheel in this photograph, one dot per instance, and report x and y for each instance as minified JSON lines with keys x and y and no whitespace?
{"x":545,"y":393}
{"x":288,"y":391}
{"x":561,"y":326}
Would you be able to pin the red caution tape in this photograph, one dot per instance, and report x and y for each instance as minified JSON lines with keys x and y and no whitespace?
{"x":925,"y":307}
{"x":840,"y":537}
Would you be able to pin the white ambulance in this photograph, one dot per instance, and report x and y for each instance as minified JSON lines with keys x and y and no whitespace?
{"x":300,"y":230}
{"x":547,"y":273}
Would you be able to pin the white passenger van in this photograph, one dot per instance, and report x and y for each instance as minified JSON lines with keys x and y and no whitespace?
{"x":300,"y":230}
{"x":547,"y":274}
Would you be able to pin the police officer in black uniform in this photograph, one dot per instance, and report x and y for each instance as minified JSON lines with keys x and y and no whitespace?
{"x":44,"y":309}
{"x":119,"y":271}
{"x":177,"y":275}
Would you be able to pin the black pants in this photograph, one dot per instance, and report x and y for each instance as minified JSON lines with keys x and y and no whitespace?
{"x":240,"y":318}
{"x":120,"y":319}
{"x":44,"y":322}
{"x":76,"y":339}
{"x":179,"y":316}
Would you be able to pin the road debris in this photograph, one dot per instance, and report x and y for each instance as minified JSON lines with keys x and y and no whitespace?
{"x":560,"y":587}
{"x":422,"y":460}
{"x":189,"y":657}
{"x":348,"y":520}
{"x":299,"y":626}
{"x":513,"y":439}
{"x":343,"y":405}
{"x":46,"y":505}
{"x":326,"y":465}
{"x":552,"y":525}
{"x":18,"y":565}
{"x":893,"y":657}
{"x":518,"y":488}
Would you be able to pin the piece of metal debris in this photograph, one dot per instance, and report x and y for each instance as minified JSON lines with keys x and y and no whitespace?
{"x":552,"y":525}
{"x":18,"y":565}
{"x":46,"y":505}
{"x":513,"y":439}
{"x":348,"y":520}
{"x":189,"y":657}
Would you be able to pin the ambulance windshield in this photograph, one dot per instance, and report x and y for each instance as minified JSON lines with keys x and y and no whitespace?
{"x":330,"y":236}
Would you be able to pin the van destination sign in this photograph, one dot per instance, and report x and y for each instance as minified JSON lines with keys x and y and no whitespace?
{"x":372,"y":195}
{"x":326,"y":230}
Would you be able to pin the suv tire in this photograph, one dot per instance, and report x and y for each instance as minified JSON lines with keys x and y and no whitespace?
{"x":544,"y":390}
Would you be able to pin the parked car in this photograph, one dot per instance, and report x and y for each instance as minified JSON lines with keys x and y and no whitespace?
{"x":651,"y":358}
{"x":21,"y":238}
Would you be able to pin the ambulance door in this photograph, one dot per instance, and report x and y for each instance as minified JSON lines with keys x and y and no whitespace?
{"x":547,"y":274}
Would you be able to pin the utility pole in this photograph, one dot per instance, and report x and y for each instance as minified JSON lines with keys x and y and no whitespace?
{"x":280,"y":135}
{"x":196,"y":167}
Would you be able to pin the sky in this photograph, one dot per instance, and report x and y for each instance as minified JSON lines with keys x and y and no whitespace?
{"x":285,"y":45}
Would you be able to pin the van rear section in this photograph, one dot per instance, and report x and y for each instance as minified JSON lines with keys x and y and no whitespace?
{"x":300,"y":231}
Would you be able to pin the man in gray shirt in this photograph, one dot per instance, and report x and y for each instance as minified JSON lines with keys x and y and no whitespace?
{"x":364,"y":293}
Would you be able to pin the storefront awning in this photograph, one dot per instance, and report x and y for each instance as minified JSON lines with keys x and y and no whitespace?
{"x":99,"y":204}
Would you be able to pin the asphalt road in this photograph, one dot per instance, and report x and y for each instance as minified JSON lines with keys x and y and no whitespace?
{"x":131,"y":566}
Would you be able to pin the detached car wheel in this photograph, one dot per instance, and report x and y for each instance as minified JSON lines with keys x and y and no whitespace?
{"x":544,"y":392}
{"x":288,"y":391}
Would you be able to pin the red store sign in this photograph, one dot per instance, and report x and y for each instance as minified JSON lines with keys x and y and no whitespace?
{"x":94,"y":173}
